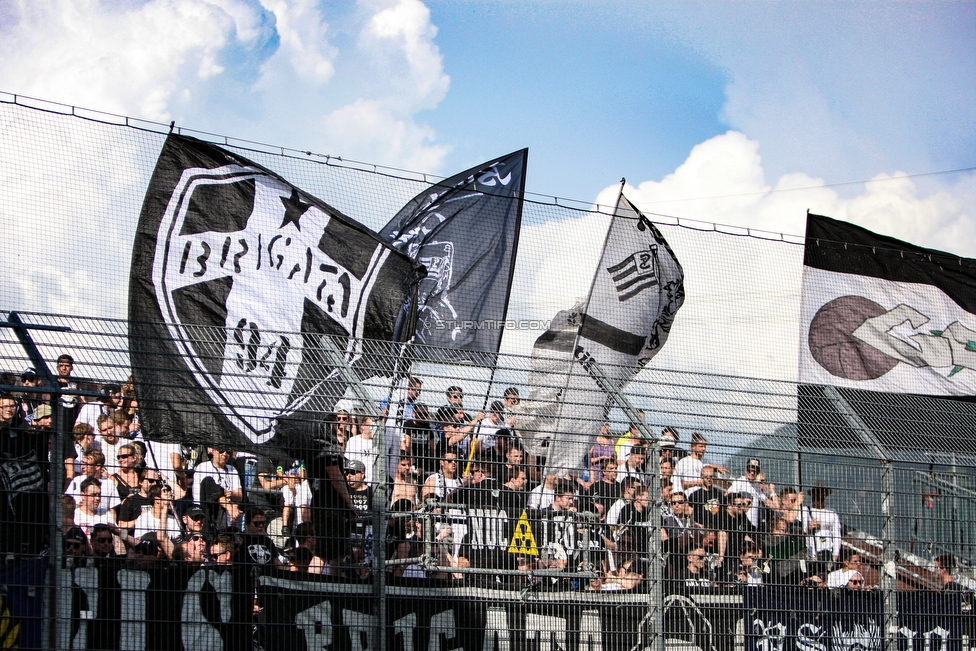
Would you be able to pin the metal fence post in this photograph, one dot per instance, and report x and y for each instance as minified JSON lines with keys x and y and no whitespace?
{"x":55,"y":457}
{"x":888,"y":569}
{"x":378,"y":507}
{"x":655,"y":592}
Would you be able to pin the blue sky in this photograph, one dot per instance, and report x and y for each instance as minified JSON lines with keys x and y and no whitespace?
{"x":596,"y":90}
{"x":839,"y":91}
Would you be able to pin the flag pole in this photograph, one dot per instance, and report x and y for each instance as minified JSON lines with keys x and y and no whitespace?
{"x":589,"y":295}
{"x":508,"y":297}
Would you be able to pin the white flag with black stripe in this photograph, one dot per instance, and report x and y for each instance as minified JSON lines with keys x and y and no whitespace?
{"x":636,"y":293}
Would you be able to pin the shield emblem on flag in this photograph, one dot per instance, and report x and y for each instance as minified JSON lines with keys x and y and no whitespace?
{"x":247,"y":274}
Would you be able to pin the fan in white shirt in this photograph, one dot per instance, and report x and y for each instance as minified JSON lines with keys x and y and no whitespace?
{"x":223,"y":474}
{"x":89,"y":512}
{"x":159,"y":519}
{"x":92,"y":467}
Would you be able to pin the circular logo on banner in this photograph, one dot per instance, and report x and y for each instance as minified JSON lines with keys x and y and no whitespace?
{"x":834,"y":346}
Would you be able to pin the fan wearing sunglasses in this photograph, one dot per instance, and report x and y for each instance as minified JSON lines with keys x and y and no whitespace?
{"x":103,"y":542}
{"x":75,"y":543}
{"x":160,"y":519}
{"x":133,"y":506}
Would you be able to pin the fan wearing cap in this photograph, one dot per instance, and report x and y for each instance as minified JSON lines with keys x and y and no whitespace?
{"x":195,"y":520}
{"x":748,"y":483}
{"x":42,"y":423}
{"x":31,"y":400}
{"x":146,"y":552}
{"x":669,"y":445}
{"x":75,"y":543}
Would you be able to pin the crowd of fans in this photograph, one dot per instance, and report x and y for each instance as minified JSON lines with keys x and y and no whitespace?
{"x":463,"y":501}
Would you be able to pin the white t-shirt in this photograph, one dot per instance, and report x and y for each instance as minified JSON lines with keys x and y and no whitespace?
{"x":360,"y":449}
{"x":540,"y":497}
{"x":89,"y":414}
{"x":613,"y":513}
{"x":111,"y":452}
{"x":148,"y":523}
{"x":86,"y":522}
{"x":228,"y":479}
{"x":828,"y":536}
{"x":688,"y":468}
{"x":110,"y":493}
{"x":839,"y":578}
{"x":299,"y":498}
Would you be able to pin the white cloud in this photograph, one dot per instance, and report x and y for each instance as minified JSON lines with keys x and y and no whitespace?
{"x":365,"y":126}
{"x":401,"y":30}
{"x":399,"y":73}
{"x":132,"y":59}
{"x":723,"y":181}
{"x":267,"y":70}
{"x":740,"y":316}
{"x":304,"y":41}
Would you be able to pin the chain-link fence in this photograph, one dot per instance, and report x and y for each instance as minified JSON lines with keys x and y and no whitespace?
{"x":412,"y":515}
{"x":407,"y":503}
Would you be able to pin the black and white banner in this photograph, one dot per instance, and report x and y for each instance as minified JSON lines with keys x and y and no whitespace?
{"x":236,"y":275}
{"x":884,"y":315}
{"x":636,"y":293}
{"x":176,"y":607}
{"x":797,"y":619}
{"x":303,"y":615}
{"x":464,"y":230}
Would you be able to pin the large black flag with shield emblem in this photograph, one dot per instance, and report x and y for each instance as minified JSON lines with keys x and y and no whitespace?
{"x":464,"y":230}
{"x":236,"y":277}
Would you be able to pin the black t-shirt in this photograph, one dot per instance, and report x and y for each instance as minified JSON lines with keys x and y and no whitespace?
{"x":493,"y":511}
{"x":362,"y":499}
{"x":131,"y":507}
{"x":683,"y":579}
{"x":707,"y":504}
{"x":737,"y":529}
{"x":605,"y":493}
{"x":632,"y":530}
{"x":255,"y":549}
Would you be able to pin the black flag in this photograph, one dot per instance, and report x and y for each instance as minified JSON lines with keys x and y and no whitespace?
{"x":464,"y":230}
{"x":236,"y":276}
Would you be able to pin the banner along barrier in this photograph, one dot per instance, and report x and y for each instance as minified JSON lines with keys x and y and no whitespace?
{"x":118,"y":605}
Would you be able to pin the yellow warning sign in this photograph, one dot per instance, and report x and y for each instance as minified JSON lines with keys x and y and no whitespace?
{"x":523,"y":542}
